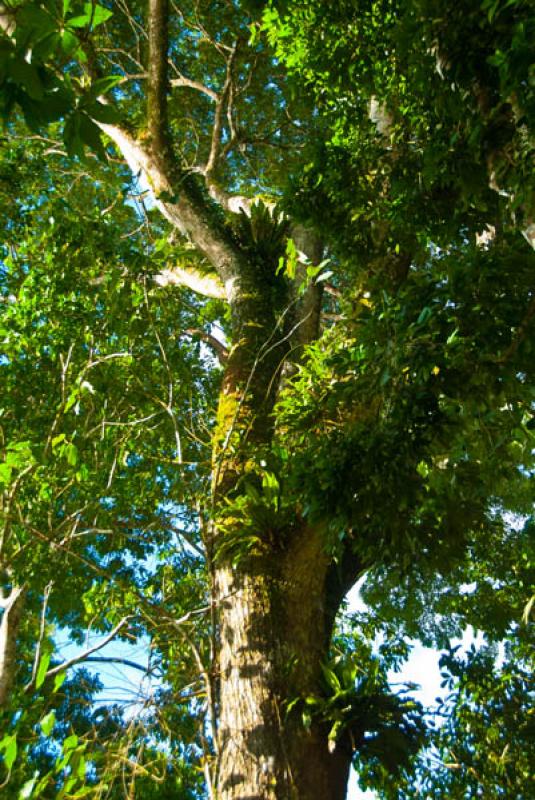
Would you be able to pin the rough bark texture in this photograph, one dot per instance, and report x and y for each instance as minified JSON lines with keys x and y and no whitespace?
{"x":9,"y":628}
{"x":251,"y":758}
{"x":273,"y":638}
{"x":274,"y":615}
{"x":275,"y":606}
{"x":274,"y":599}
{"x":158,"y":36}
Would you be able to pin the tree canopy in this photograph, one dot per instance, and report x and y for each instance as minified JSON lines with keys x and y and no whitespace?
{"x":266,"y":329}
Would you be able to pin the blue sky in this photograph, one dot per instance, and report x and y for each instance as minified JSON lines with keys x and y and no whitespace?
{"x":131,"y":689}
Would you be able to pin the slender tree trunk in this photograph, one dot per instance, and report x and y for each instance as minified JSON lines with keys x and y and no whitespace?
{"x":9,"y":629}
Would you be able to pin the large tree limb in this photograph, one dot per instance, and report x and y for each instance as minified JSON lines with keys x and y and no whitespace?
{"x":219,"y":348}
{"x":9,"y":629}
{"x":174,"y":194}
{"x":309,"y":246}
{"x":194,"y":279}
{"x":157,"y":76}
{"x":179,"y":207}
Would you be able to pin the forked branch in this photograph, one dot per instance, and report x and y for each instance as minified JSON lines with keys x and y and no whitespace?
{"x":221,"y":106}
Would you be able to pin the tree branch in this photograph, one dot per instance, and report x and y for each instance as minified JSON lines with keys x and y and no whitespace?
{"x":194,"y":279}
{"x":65,"y":665}
{"x":219,"y":347}
{"x":199,"y":87}
{"x":9,"y":629}
{"x":218,"y":119}
{"x":179,"y":205}
{"x":157,"y":76}
{"x":113,"y":660}
{"x":7,"y":19}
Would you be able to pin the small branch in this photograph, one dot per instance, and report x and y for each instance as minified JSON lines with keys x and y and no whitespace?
{"x":46,"y":595}
{"x":219,"y":347}
{"x":169,"y":405}
{"x":233,"y":139}
{"x":83,"y":656}
{"x":328,"y":288}
{"x":187,"y":538}
{"x":331,"y":317}
{"x":113,"y":660}
{"x":150,"y":610}
{"x":218,"y":119}
{"x":182,"y":81}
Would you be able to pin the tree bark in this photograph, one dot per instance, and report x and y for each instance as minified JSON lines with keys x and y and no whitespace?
{"x":274,"y":619}
{"x":274,"y":636}
{"x":273,"y":616}
{"x":9,"y":629}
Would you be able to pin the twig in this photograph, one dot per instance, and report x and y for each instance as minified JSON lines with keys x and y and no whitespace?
{"x":65,"y":665}
{"x":46,"y":595}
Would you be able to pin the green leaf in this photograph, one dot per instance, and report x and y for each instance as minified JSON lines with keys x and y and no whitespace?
{"x":9,"y":746}
{"x":42,"y":670}
{"x":57,"y":440}
{"x":70,"y":451}
{"x":103,"y":85}
{"x":102,"y":113}
{"x":90,"y":135}
{"x":48,"y":722}
{"x":422,"y":469}
{"x":291,"y":259}
{"x":331,"y":678}
{"x":101,"y":14}
{"x":69,"y":42}
{"x":55,"y":105}
{"x":27,"y":75}
{"x":452,"y":337}
{"x":81,"y":21}
{"x":35,"y":20}
{"x":385,"y":377}
{"x":70,"y":743}
{"x":74,"y":146}
{"x":19,"y":455}
{"x":59,"y":680}
{"x":93,"y":16}
{"x":46,"y":46}
{"x":425,"y":313}
{"x":5,"y":474}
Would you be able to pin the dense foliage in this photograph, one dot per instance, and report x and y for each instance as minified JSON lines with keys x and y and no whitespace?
{"x":402,"y":133}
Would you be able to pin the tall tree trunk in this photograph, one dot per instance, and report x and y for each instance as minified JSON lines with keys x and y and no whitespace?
{"x":270,"y":587}
{"x":12,"y":606}
{"x":274,"y":636}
